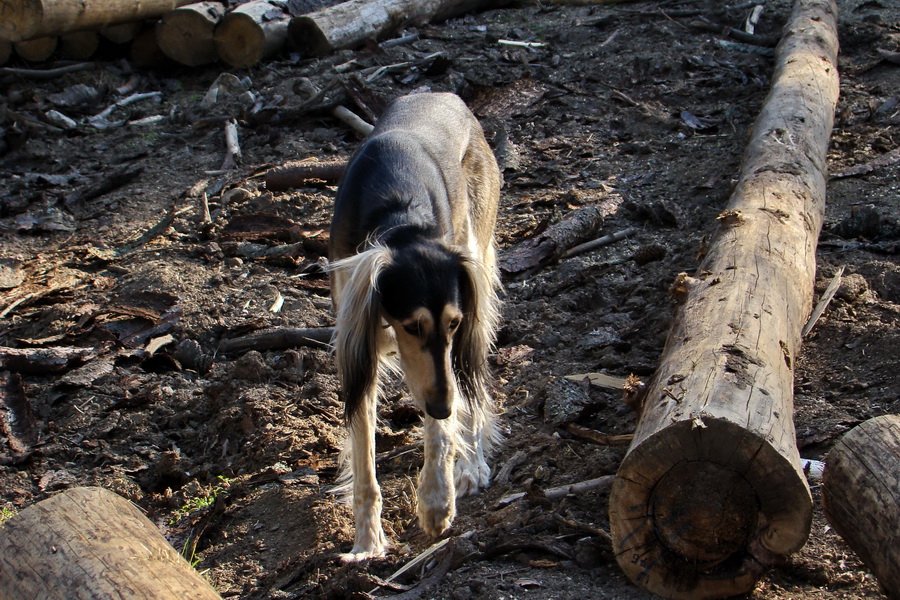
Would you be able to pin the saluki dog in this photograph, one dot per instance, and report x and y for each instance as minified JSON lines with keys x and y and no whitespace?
{"x":413,"y":268}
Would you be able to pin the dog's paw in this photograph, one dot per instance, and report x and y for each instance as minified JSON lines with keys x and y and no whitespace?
{"x":435,"y":520}
{"x":471,"y":478}
{"x":369,"y":544}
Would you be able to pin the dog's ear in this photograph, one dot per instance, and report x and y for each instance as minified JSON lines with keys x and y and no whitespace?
{"x":475,"y":336}
{"x":358,"y":325}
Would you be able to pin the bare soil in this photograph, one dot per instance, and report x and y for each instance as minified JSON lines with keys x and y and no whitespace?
{"x":232,"y":454}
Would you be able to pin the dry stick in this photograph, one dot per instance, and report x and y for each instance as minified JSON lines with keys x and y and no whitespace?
{"x":47,"y":74}
{"x":280,"y":339}
{"x":600,"y":438}
{"x":232,"y":146}
{"x":603,"y":241}
{"x":294,"y":174}
{"x":711,"y":491}
{"x":754,"y":39}
{"x":100,"y":117}
{"x":350,"y":118}
{"x":830,"y":291}
{"x":599,"y":483}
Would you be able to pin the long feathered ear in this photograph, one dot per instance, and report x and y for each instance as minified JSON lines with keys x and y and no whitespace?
{"x":358,"y":325}
{"x":481,"y":314}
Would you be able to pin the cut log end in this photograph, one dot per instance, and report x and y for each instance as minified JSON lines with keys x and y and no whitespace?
{"x":693,"y":511}
{"x":250,"y":33}
{"x":186,"y":34}
{"x":308,"y":38}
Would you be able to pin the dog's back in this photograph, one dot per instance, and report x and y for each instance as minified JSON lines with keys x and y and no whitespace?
{"x":426,"y":163}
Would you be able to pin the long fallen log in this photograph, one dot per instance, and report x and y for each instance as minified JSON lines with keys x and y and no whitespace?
{"x":711,"y":491}
{"x":352,"y":23}
{"x":88,"y":543}
{"x":27,"y":19}
{"x":861,"y":496}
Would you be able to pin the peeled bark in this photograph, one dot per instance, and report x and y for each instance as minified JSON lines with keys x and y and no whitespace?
{"x":352,"y":23}
{"x":88,"y":543}
{"x":861,"y":496}
{"x":27,"y":19}
{"x":186,"y":34}
{"x":250,"y":33}
{"x":711,"y":491}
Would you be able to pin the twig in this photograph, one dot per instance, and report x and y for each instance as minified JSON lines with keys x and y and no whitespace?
{"x":585,"y":527}
{"x":517,"y":44}
{"x":294,"y":174}
{"x":824,"y":301}
{"x":513,"y":463}
{"x":765,"y":41}
{"x":342,"y":113}
{"x":121,"y":176}
{"x":205,"y":218}
{"x":398,"y":451}
{"x":280,"y":339}
{"x":600,"y":438}
{"x":603,"y":241}
{"x":99,"y":119}
{"x":398,"y":41}
{"x":600,"y":380}
{"x":885,"y":160}
{"x":157,"y":229}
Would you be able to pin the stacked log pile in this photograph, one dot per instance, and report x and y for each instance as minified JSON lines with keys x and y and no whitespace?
{"x":199,"y":33}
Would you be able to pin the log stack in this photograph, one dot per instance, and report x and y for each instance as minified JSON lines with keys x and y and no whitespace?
{"x":711,"y":491}
{"x":186,"y":34}
{"x":250,"y":33}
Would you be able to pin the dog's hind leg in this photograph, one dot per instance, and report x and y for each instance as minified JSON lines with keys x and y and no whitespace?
{"x":369,"y":538}
{"x":437,"y":499}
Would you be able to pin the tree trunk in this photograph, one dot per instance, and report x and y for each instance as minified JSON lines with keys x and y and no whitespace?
{"x":27,"y":19}
{"x":186,"y":34}
{"x":711,"y":491}
{"x":250,"y":33}
{"x":78,"y":45}
{"x":37,"y":49}
{"x":351,"y":23}
{"x":861,"y":496}
{"x":88,"y":543}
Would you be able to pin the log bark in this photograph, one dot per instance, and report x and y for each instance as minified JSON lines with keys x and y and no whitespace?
{"x":711,"y":490}
{"x":186,"y":34}
{"x":37,"y":49}
{"x":250,"y":33}
{"x":89,"y":543}
{"x":861,"y":496}
{"x":145,"y":51}
{"x":78,"y":45}
{"x":352,"y":23}
{"x":295,"y":174}
{"x":27,"y":19}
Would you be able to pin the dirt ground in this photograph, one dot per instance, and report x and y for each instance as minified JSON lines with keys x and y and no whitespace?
{"x":627,"y":106}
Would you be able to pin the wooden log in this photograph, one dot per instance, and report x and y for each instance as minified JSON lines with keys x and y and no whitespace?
{"x":88,"y":543}
{"x":186,"y":34}
{"x":250,"y":33}
{"x":294,"y":174}
{"x":122,"y":33}
{"x":861,"y":496}
{"x":350,"y":24}
{"x":711,"y":491}
{"x":27,"y":19}
{"x":78,"y":45}
{"x":37,"y":49}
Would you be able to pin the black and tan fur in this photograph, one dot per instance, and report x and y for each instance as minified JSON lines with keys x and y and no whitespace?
{"x":413,"y":268}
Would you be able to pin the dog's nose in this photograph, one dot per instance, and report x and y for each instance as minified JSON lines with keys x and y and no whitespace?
{"x":438,"y":410}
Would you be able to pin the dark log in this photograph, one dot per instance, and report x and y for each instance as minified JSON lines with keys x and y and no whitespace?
{"x":89,"y":543}
{"x":122,"y":33}
{"x":712,"y":491}
{"x":352,"y":23}
{"x":280,"y":339}
{"x":36,"y":49}
{"x":78,"y":45}
{"x":295,"y":174}
{"x":5,"y":51}
{"x":861,"y":496}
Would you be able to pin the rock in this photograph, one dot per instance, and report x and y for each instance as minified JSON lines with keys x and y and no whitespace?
{"x":251,"y":367}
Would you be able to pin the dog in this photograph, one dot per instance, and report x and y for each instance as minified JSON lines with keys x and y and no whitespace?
{"x":413,"y":271}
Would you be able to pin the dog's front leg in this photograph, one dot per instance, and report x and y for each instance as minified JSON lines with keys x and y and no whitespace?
{"x":437,"y":495}
{"x":472,"y":471}
{"x":369,"y":538}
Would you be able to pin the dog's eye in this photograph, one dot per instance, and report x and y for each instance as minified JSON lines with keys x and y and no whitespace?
{"x":412,"y":329}
{"x":454,"y":324}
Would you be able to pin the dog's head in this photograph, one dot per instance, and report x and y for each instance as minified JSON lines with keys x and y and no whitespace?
{"x":433,"y":298}
{"x":423,"y":293}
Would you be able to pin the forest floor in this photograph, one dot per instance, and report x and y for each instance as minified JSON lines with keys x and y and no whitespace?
{"x":627,"y":106}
